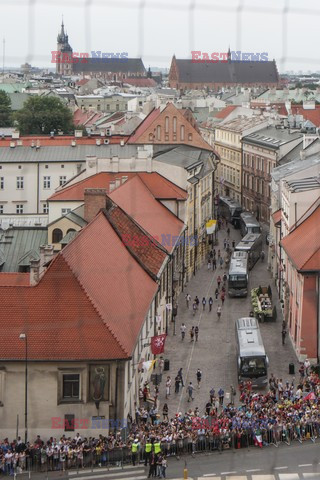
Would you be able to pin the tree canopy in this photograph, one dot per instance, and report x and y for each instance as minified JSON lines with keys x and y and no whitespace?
{"x":44,"y":115}
{"x":5,"y":110}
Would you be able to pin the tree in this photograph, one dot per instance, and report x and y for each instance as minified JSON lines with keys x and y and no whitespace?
{"x":44,"y":115}
{"x":5,"y":110}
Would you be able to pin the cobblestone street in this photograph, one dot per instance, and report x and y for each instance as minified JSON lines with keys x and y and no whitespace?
{"x":215,"y":351}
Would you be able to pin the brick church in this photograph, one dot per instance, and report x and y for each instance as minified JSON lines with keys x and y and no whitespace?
{"x":110,"y":69}
{"x":185,"y":74}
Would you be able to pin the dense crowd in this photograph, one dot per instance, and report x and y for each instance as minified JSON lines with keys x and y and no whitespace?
{"x":285,"y":408}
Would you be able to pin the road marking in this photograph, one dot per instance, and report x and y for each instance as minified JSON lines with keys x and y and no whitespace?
{"x":192,"y":350}
{"x":105,"y":469}
{"x":289,"y":476}
{"x":306,"y":465}
{"x":241,"y":477}
{"x":124,"y":477}
{"x":263,"y":477}
{"x":254,"y":470}
{"x":209,"y":475}
{"x":280,"y":468}
{"x":227,"y":473}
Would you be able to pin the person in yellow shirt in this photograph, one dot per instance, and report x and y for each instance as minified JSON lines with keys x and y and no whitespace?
{"x":134,"y":451}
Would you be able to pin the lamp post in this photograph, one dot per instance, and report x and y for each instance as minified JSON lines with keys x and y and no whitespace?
{"x":23,"y":336}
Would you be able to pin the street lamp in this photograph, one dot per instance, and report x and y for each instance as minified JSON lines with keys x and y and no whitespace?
{"x":23,"y":336}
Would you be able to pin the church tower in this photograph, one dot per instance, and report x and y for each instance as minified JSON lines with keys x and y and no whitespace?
{"x":65,"y":66}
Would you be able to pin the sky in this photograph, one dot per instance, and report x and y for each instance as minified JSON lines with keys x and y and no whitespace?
{"x":156,"y":29}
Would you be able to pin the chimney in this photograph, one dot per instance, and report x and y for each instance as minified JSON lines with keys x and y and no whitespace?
{"x":34,"y":271}
{"x":94,"y":201}
{"x":48,"y":253}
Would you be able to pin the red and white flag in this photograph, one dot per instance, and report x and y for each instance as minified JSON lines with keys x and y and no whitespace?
{"x":258,"y":440}
{"x":157,"y":344}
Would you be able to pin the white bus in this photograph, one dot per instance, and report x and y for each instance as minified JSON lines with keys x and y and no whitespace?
{"x":252,"y":244}
{"x":249,"y":224}
{"x":252,"y":360}
{"x":238,"y":277}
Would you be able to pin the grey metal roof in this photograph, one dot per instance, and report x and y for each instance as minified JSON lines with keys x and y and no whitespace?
{"x":230,"y":72}
{"x":63,"y":153}
{"x":249,"y":337}
{"x":182,"y":156}
{"x":16,"y":242}
{"x":303,"y":184}
{"x":128,"y":65}
{"x":67,"y":238}
{"x":75,"y":216}
{"x":271,"y":137}
{"x":296,"y":165}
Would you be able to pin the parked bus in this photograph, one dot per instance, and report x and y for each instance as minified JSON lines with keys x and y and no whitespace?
{"x":249,"y":224}
{"x":230,"y":210}
{"x":252,"y":244}
{"x":238,"y":277}
{"x":251,"y":356}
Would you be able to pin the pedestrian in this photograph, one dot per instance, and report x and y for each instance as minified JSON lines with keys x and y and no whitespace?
{"x":307,"y":366}
{"x":283,"y":333}
{"x":190,"y":391}
{"x":225,"y":243}
{"x":210,"y":304}
{"x":208,"y":408}
{"x":152,"y":465}
{"x":180,"y":376}
{"x":165,"y":411}
{"x":225,"y":277}
{"x":194,"y":308}
{"x":204,"y":301}
{"x":191,"y":334}
{"x":219,"y":281}
{"x":228,"y":246}
{"x":197,"y":301}
{"x":161,"y":365}
{"x":134,"y":451}
{"x":232,"y":394}
{"x":216,"y":293}
{"x":209,"y":264}
{"x":228,"y":232}
{"x":219,"y":254}
{"x":233,"y":244}
{"x":219,"y":312}
{"x":214,"y":264}
{"x":211,"y":254}
{"x":214,"y":253}
{"x":176,"y":384}
{"x":148,"y":450}
{"x":221,"y":396}
{"x":188,"y":298}
{"x":212,"y":393}
{"x":183,"y":329}
{"x":196,"y":332}
{"x":164,"y":466}
{"x":262,"y":256}
{"x":222,"y":296}
{"x":168,"y":386}
{"x":221,"y":262}
{"x":199,"y":376}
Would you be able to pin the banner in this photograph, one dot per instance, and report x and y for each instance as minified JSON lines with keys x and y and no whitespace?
{"x":148,"y":365}
{"x":157,"y":344}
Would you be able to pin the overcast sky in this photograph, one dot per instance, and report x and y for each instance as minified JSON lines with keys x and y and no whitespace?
{"x":155,"y":29}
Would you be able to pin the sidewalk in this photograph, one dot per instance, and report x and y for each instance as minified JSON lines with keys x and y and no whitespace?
{"x":215,"y":352}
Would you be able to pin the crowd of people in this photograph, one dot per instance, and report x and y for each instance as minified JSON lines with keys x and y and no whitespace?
{"x":284,"y":409}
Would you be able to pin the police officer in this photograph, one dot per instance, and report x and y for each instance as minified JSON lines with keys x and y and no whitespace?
{"x":148,"y":449}
{"x":134,"y":451}
{"x":157,"y":447}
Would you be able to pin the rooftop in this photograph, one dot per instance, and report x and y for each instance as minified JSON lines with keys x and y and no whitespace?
{"x":241,"y":124}
{"x":271,"y":137}
{"x":303,"y":184}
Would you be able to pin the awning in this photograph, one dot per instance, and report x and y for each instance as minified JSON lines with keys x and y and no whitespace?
{"x":211,"y":226}
{"x":276,"y":217}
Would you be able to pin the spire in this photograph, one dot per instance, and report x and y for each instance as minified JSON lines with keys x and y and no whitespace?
{"x":61,"y":36}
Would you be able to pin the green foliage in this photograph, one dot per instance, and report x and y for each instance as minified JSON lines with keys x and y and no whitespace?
{"x":44,"y":115}
{"x":5,"y":110}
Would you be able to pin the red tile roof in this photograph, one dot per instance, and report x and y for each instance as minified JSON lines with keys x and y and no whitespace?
{"x":153,"y":115}
{"x":90,"y":304}
{"x":160,"y":187}
{"x":151,"y":255}
{"x":83,"y":81}
{"x":138,"y":202}
{"x":311,"y":115}
{"x":226,"y":111}
{"x":302,"y":245}
{"x":14,"y":279}
{"x":141,"y":82}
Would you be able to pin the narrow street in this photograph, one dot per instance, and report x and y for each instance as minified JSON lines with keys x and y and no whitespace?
{"x":215,"y":351}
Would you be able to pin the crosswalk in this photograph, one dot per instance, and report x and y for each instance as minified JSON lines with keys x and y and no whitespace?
{"x":140,"y":473}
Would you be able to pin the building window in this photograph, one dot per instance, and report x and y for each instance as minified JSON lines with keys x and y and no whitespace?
{"x":19,"y":167}
{"x":190,"y":137}
{"x":158,"y":132}
{"x":19,"y":208}
{"x":20,"y":183}
{"x":46,"y":182}
{"x":1,"y":183}
{"x":62,"y":180}
{"x":174,"y":124}
{"x":62,"y":166}
{"x":150,"y":137}
{"x":45,"y":208}
{"x":64,"y":211}
{"x":69,"y":423}
{"x":57,"y":235}
{"x":182,"y":132}
{"x":167,"y":124}
{"x":117,"y":107}
{"x":71,"y":386}
{"x":46,"y":166}
{"x":1,"y":209}
{"x":108,"y":106}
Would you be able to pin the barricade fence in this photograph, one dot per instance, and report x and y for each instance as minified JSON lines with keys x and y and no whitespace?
{"x":210,"y":441}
